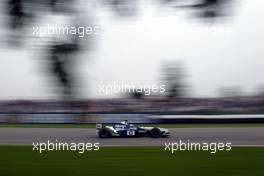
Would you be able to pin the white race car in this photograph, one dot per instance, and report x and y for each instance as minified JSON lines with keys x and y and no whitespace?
{"x":125,"y":129}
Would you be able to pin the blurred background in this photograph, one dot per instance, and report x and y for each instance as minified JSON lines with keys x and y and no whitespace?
{"x":206,"y":53}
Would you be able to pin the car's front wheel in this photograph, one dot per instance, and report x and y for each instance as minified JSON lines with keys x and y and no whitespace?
{"x":104,"y":133}
{"x":155,"y":133}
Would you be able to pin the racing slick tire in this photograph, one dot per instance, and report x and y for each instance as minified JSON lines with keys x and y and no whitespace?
{"x":155,"y":133}
{"x":104,"y":133}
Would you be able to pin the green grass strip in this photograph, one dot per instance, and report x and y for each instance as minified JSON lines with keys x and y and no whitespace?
{"x":131,"y":161}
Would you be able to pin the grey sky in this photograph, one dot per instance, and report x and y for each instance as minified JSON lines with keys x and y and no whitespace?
{"x":229,"y":53}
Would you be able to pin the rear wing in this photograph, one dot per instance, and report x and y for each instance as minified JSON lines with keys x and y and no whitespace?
{"x":99,"y":126}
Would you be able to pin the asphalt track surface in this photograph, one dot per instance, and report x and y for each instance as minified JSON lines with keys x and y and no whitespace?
{"x":237,"y":136}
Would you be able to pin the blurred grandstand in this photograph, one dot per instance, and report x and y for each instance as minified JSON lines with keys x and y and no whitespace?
{"x":224,"y":105}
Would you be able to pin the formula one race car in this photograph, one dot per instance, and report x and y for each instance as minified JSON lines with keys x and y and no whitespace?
{"x":125,"y":129}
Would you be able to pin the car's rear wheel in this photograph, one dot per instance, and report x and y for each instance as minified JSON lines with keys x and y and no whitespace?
{"x":155,"y":133}
{"x":104,"y":133}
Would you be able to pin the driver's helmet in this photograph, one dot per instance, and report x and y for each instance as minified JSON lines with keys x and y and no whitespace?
{"x":124,"y":122}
